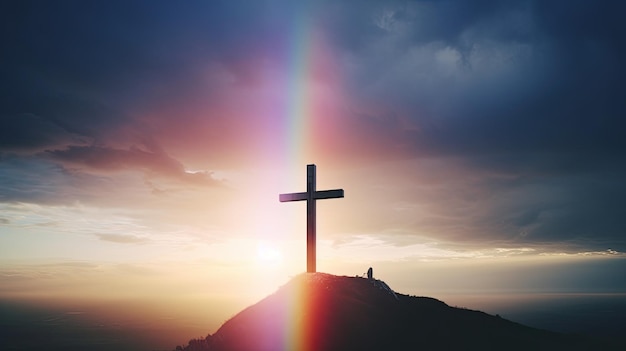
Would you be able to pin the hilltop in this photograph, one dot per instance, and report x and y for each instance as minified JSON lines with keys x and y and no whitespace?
{"x":317,"y":311}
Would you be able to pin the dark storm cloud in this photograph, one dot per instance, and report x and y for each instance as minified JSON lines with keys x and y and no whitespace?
{"x":77,"y":65}
{"x":28,"y":132}
{"x":69,"y":73}
{"x":118,"y":52}
{"x":527,"y":94}
{"x":583,"y":210}
{"x":566,"y":101}
{"x":421,"y":22}
{"x":77,"y":74}
{"x":68,"y":62}
{"x":485,"y":77}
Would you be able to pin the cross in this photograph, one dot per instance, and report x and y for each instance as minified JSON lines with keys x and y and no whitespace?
{"x":310,"y":196}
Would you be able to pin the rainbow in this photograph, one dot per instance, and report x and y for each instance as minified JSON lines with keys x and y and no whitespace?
{"x":297,"y":114}
{"x":303,"y":324}
{"x":310,"y":87}
{"x":299,"y":121}
{"x":302,"y":116}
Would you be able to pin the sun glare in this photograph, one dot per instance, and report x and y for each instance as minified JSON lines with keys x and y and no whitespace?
{"x":268,"y":254}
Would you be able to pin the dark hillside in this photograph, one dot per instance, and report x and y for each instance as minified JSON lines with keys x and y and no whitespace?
{"x":317,"y":311}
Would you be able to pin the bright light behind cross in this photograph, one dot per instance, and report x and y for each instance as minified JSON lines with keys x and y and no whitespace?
{"x":268,"y":254}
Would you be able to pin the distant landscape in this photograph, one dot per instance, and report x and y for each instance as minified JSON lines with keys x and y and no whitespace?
{"x":601,"y":315}
{"x":317,"y":311}
{"x":27,"y":326}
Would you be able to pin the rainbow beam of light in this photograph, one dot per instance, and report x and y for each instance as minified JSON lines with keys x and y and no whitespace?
{"x":296,"y":123}
{"x":304,"y":323}
{"x":297,"y":114}
{"x":312,"y":88}
{"x":299,"y":124}
{"x":300,"y":117}
{"x":304,"y":88}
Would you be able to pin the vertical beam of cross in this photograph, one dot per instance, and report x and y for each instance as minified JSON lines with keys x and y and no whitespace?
{"x":311,"y":215}
{"x":311,"y":195}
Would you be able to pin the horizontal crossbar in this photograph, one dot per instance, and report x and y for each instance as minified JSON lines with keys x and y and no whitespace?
{"x":292,"y":197}
{"x":319,"y":195}
{"x":328,"y":194}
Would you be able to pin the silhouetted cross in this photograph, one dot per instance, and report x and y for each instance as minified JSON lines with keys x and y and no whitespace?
{"x":310,"y":196}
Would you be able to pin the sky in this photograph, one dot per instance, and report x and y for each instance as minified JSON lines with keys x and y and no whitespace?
{"x":143,"y":146}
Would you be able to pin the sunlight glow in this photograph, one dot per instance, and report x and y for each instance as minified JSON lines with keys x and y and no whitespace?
{"x":268,"y":254}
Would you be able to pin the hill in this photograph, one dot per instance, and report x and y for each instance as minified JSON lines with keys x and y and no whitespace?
{"x":317,"y":311}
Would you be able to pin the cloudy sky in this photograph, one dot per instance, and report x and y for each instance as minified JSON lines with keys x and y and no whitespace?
{"x":143,"y":145}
